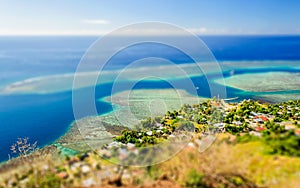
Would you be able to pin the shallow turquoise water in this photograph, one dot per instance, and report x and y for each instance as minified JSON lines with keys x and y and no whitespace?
{"x":45,"y":117}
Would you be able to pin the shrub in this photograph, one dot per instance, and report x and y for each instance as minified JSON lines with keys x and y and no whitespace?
{"x":283,"y":144}
{"x":195,"y":179}
{"x":22,"y":147}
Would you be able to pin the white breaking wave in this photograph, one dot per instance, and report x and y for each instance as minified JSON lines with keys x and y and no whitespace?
{"x":64,"y":82}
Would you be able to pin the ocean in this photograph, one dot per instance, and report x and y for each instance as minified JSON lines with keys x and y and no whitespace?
{"x":47,"y":116}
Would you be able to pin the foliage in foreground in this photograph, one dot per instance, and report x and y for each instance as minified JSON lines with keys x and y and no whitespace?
{"x":275,"y":137}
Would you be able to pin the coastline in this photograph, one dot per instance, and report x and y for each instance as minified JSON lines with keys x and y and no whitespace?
{"x":108,"y":125}
{"x":261,"y":96}
{"x":234,"y":138}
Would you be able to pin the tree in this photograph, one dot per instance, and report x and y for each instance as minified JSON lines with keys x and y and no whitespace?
{"x":186,"y":125}
{"x":22,"y":147}
{"x":148,"y":123}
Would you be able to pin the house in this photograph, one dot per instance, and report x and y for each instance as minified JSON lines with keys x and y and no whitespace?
{"x":264,"y":118}
{"x":258,"y":120}
{"x":259,"y":129}
{"x":297,"y":132}
{"x":238,"y":123}
{"x":289,"y":127}
{"x":253,"y":114}
{"x":253,"y":125}
{"x":219,"y":125}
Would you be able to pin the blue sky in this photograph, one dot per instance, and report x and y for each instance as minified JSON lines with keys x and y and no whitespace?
{"x":96,"y":17}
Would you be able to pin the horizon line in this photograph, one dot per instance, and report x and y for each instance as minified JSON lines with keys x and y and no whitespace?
{"x":163,"y":35}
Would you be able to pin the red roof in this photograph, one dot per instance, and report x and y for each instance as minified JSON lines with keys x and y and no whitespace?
{"x":259,"y":129}
{"x":264,"y":118}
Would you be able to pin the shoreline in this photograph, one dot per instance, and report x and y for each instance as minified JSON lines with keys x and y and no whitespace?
{"x":262,"y":96}
{"x":72,"y":133}
{"x":229,"y":136}
{"x":64,"y":82}
{"x":109,"y":125}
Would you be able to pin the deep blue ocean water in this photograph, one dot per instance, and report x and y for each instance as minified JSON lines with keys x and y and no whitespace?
{"x":46,"y":117}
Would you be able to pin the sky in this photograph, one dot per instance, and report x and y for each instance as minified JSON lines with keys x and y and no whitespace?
{"x":98,"y":17}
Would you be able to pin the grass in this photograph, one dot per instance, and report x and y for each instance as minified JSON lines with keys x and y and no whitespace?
{"x":247,"y":160}
{"x":234,"y":160}
{"x":223,"y":164}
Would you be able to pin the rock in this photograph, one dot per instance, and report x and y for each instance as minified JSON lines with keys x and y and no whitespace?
{"x":75,"y":166}
{"x":191,"y":145}
{"x":95,"y":165}
{"x":88,"y":182}
{"x":136,"y":151}
{"x":130,"y":146}
{"x":113,"y":144}
{"x":24,"y":182}
{"x":149,"y":133}
{"x":45,"y":167}
{"x":62,"y":175}
{"x":116,"y":169}
{"x":123,"y":154}
{"x":105,"y":153}
{"x":126,"y":175}
{"x":85,"y":169}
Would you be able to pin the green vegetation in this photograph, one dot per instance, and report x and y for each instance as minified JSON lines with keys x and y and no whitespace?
{"x":277,"y":133}
{"x":258,"y":143}
{"x":195,"y":179}
{"x":138,"y":138}
{"x":286,"y":143}
{"x":248,"y":120}
{"x":189,"y":118}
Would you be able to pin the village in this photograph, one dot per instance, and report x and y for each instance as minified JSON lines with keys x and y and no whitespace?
{"x":267,"y":131}
{"x":247,"y":119}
